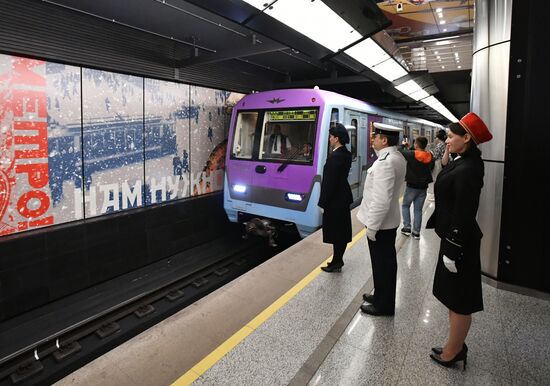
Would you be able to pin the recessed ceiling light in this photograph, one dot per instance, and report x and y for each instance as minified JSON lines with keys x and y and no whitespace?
{"x":442,"y":22}
{"x":436,"y":52}
{"x":458,"y":66}
{"x":444,"y":29}
{"x":439,"y":10}
{"x":440,"y":15}
{"x":442,"y":66}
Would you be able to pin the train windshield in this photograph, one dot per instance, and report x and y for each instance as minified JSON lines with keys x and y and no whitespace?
{"x":245,"y":132}
{"x":276,"y":135}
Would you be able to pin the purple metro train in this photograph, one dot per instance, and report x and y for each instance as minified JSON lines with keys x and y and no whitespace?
{"x":278,"y":144}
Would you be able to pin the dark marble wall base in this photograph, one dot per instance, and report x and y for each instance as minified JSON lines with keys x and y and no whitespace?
{"x":41,"y":266}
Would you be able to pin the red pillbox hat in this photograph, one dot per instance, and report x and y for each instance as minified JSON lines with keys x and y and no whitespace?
{"x":476,"y":128}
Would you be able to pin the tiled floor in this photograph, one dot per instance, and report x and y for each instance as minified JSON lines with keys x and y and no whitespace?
{"x":509,"y":343}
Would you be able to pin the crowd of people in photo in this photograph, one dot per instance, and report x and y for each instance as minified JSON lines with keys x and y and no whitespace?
{"x":453,"y":166}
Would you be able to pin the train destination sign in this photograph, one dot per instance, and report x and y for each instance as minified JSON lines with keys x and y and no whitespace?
{"x":293,"y":115}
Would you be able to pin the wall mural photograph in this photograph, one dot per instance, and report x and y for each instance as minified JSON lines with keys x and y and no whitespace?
{"x":135,"y":142}
{"x":167,"y":154}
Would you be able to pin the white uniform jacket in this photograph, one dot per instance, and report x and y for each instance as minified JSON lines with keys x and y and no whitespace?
{"x":383,"y":186}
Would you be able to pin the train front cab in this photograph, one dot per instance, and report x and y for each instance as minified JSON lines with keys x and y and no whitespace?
{"x":281,"y":185}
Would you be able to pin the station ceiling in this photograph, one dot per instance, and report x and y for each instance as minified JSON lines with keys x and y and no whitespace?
{"x":252,"y":51}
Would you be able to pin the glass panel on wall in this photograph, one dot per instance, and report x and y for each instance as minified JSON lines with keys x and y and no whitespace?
{"x":287,"y":134}
{"x":245,"y":130}
{"x":167,"y":115}
{"x":113,"y":141}
{"x":40,"y":156}
{"x":210,"y":113}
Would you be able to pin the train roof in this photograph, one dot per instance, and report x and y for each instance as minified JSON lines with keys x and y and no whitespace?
{"x":302,"y":97}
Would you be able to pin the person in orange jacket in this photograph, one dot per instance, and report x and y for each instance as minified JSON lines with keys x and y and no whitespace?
{"x":418,"y":176}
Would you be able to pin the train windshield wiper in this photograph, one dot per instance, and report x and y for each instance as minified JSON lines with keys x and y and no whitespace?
{"x":288,"y":160}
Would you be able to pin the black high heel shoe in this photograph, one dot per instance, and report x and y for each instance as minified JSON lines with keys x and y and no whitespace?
{"x":439,"y":350}
{"x":461,"y":356}
{"x":332,"y":268}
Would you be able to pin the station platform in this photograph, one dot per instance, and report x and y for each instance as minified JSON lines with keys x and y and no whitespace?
{"x":287,"y":322}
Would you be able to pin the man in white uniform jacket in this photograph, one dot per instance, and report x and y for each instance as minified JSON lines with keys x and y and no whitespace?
{"x":380,"y":212}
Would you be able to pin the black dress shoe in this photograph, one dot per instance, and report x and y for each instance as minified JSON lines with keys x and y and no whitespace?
{"x":368,"y":298}
{"x":372,"y":310}
{"x":439,"y":350}
{"x":461,"y":356}
{"x":332,"y":268}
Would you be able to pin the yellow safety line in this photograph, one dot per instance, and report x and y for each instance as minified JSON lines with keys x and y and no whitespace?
{"x":211,"y":359}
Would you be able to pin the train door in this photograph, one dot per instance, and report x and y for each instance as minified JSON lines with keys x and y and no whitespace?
{"x":351,"y":121}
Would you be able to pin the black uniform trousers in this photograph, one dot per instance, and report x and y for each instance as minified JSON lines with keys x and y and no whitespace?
{"x":384,"y":269}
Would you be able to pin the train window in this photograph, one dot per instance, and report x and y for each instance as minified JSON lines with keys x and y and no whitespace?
{"x":334,"y":117}
{"x":353,"y":142}
{"x":353,"y":139}
{"x":289,"y":135}
{"x":243,"y":141}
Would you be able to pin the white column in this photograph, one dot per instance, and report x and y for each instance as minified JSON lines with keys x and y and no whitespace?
{"x":490,"y":68}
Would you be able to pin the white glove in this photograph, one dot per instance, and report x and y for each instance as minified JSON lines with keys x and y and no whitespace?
{"x":449,"y":264}
{"x":371,"y":234}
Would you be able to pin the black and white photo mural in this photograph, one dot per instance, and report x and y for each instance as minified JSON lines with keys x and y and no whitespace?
{"x":112,"y":120}
{"x":135,"y":142}
{"x":167,"y":116}
{"x":208,"y":139}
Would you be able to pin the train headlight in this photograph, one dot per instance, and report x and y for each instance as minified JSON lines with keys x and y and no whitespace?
{"x":239,"y":188}
{"x":295,"y":197}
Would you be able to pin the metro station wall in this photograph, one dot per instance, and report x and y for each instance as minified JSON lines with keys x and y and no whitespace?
{"x":78,"y":143}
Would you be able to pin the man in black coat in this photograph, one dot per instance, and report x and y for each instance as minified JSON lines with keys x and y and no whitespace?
{"x":336,"y":197}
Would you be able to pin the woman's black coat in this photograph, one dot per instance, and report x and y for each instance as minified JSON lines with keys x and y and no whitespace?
{"x":336,"y":197}
{"x":457,"y":191}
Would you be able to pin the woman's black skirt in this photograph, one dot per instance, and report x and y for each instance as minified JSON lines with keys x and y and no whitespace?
{"x":460,"y":292}
{"x":336,"y":226}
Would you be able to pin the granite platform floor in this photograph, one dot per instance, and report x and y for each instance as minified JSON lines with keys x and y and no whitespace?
{"x":509,"y":342}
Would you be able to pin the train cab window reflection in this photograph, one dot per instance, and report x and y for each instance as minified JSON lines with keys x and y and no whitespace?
{"x":243,"y":143}
{"x":288,"y":135}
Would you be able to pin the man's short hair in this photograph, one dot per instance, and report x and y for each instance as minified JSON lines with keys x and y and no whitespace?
{"x":422,"y":142}
{"x":442,"y":135}
{"x":393,"y":140}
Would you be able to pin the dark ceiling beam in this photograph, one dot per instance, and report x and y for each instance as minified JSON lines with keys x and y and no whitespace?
{"x":325,"y":81}
{"x":253,"y":49}
{"x":444,"y":35}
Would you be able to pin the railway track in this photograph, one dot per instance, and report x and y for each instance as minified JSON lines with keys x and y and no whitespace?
{"x":44,"y":345}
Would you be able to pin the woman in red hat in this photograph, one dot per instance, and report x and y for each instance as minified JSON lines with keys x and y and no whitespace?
{"x":457,"y":281}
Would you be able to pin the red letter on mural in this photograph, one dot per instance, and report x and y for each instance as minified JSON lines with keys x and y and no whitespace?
{"x":41,"y":139}
{"x":37,"y":174}
{"x":24,"y":200}
{"x":23,"y":72}
{"x":28,"y":101}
